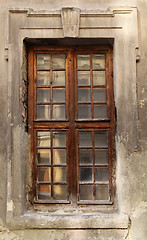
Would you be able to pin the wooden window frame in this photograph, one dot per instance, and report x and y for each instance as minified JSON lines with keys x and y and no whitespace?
{"x":71,"y":124}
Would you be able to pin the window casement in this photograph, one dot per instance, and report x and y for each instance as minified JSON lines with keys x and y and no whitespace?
{"x":71,"y":122}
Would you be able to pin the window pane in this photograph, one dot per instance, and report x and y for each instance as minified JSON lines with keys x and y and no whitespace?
{"x":43,"y":95}
{"x":60,"y":192}
{"x":58,"y":61}
{"x":59,"y":156}
{"x":44,"y":192}
{"x":85,"y":174}
{"x":99,"y":95}
{"x":102,"y":192}
{"x":100,"y":111}
{"x":58,"y":78}
{"x":86,"y":192}
{"x":101,"y":157}
{"x":43,"y":139}
{"x":43,"y":61}
{"x":98,"y":61}
{"x":43,"y":78}
{"x":101,"y":174}
{"x":100,"y":139}
{"x":59,"y":174}
{"x":44,"y":156}
{"x":84,"y":111}
{"x":83,"y":78}
{"x":44,"y":174}
{"x":59,"y":95}
{"x":84,"y":95}
{"x":99,"y":78}
{"x":85,"y":139}
{"x":59,"y":139}
{"x":85,"y":156}
{"x":58,"y":112}
{"x":83,"y":61}
{"x":43,"y":112}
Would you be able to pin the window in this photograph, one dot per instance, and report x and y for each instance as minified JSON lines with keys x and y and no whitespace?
{"x":72,"y":124}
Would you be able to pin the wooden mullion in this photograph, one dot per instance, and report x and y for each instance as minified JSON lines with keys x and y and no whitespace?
{"x":51,"y":89}
{"x":91,"y":81}
{"x":51,"y":163}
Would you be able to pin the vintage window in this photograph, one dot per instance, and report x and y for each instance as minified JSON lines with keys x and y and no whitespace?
{"x":72,"y":124}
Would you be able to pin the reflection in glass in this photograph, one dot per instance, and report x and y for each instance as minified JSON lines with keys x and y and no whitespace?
{"x":85,"y":139}
{"x":59,"y":156}
{"x":43,"y":78}
{"x":44,"y":156}
{"x":85,"y":156}
{"x":99,"y":78}
{"x":43,"y":139}
{"x":59,"y":174}
{"x":100,"y":139}
{"x":85,"y":174}
{"x":44,"y":192}
{"x":43,"y":112}
{"x":100,"y":111}
{"x":86,"y":192}
{"x":102,"y":192}
{"x":84,"y":95}
{"x":99,"y":95}
{"x":83,"y":78}
{"x":98,"y":61}
{"x":83,"y":61}
{"x":84,"y":111}
{"x":101,"y":156}
{"x":44,"y":174}
{"x":59,"y":139}
{"x":60,"y":192}
{"x":58,"y":112}
{"x":43,"y":61}
{"x":101,"y":174}
{"x":43,"y":95}
{"x":58,"y":78}
{"x":58,"y":61}
{"x":58,"y":94}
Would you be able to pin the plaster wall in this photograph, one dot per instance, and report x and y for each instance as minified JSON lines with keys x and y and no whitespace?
{"x":133,"y":180}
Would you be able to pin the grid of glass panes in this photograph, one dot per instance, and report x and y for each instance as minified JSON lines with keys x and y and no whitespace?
{"x":93,"y":165}
{"x":91,"y":78}
{"x":51,"y":165}
{"x":51,"y":90}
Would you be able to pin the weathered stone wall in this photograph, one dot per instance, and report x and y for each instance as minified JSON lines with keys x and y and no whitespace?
{"x":131,"y":179}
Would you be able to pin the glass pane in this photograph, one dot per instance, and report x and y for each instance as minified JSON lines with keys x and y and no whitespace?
{"x":43,"y":61}
{"x":58,"y":78}
{"x":84,"y":112}
{"x":86,"y":192}
{"x":43,"y":95}
{"x":58,"y":94}
{"x":44,"y":156}
{"x":59,"y":156}
{"x":84,"y":95}
{"x":101,"y":157}
{"x":43,"y":112}
{"x":83,"y":61}
{"x":85,"y":139}
{"x":99,"y":78}
{"x":44,"y":192}
{"x":59,"y":174}
{"x":58,"y":112}
{"x":100,"y":139}
{"x":85,"y":156}
{"x":102,"y":192}
{"x":43,"y":139}
{"x":85,"y":174}
{"x":58,"y":61}
{"x":60,"y":192}
{"x":44,"y":174}
{"x":98,"y":61}
{"x":99,"y":95}
{"x":100,"y":111}
{"x":59,"y":139}
{"x":101,"y":174}
{"x":43,"y":78}
{"x":83,"y":78}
